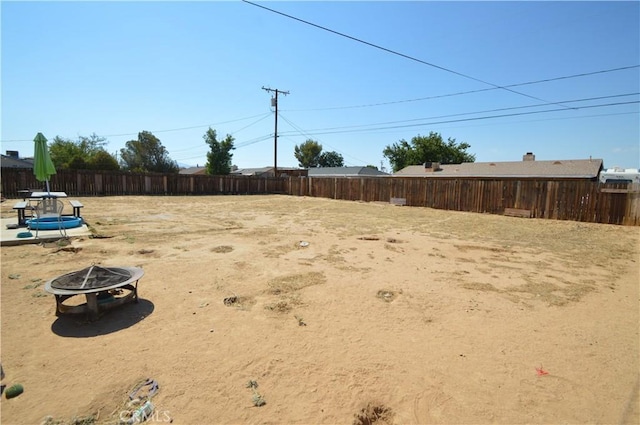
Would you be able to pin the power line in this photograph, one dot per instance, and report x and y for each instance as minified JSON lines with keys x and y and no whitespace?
{"x":585,"y":74}
{"x":304,"y":133}
{"x":253,"y":123}
{"x":232,"y":133}
{"x":475,"y":118}
{"x":162,"y":131}
{"x":403,"y":55}
{"x":253,"y":141}
{"x":476,"y":112}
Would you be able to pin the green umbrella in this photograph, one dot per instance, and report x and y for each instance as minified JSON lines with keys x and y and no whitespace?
{"x":43,"y":167}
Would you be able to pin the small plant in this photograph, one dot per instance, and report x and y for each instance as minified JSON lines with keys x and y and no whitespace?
{"x":63,"y":242}
{"x":50,"y":420}
{"x":258,"y":399}
{"x":300,"y":320}
{"x":84,"y":420}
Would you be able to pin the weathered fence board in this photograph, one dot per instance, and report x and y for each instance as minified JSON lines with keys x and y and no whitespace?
{"x":578,"y":200}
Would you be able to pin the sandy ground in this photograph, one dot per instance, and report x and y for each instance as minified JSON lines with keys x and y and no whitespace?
{"x":424,"y":316}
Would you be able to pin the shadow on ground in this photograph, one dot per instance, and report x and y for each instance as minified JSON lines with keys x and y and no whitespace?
{"x":78,"y":326}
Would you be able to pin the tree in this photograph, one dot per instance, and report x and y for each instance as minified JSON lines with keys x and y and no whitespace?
{"x":330,"y":159}
{"x":85,"y":153}
{"x":103,"y":160}
{"x":219,"y":157}
{"x":63,"y":152}
{"x":431,"y":148}
{"x":308,"y":153}
{"x":146,"y":154}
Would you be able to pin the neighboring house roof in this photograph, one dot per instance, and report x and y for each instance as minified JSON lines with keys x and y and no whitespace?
{"x":253,"y":171}
{"x":345,"y":172}
{"x":193,"y":170}
{"x":11,"y":162}
{"x":571,"y":168}
{"x":268,"y":171}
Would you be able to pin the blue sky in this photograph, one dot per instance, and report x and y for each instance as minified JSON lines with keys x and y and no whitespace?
{"x":71,"y":69}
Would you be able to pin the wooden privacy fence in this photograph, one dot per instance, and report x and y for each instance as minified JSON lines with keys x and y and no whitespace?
{"x":109,"y":183}
{"x":578,"y":200}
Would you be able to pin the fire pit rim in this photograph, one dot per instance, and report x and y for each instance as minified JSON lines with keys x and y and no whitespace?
{"x":136,"y":274}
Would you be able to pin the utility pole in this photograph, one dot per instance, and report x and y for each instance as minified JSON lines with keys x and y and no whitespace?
{"x":274,"y":103}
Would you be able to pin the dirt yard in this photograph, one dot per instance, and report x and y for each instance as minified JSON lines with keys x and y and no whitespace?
{"x":341,"y":312}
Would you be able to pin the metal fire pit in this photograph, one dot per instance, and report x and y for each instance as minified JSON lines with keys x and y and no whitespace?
{"x":103,"y":287}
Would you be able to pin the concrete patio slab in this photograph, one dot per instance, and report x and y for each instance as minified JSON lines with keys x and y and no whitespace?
{"x":10,"y":237}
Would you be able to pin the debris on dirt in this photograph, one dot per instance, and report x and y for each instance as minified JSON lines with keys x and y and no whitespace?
{"x":387,"y":295}
{"x":541,"y":372}
{"x":73,"y":249}
{"x":99,"y":236}
{"x":369,"y":238}
{"x":230,"y":300}
{"x":258,"y":399}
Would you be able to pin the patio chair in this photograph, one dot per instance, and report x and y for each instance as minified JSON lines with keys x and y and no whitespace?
{"x":48,"y":208}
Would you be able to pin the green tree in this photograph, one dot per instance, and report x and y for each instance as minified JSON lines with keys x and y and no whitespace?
{"x":85,"y":153}
{"x":330,"y":159}
{"x":219,"y":156}
{"x":78,"y":163}
{"x":103,"y":160}
{"x":146,"y":154}
{"x":63,"y":152}
{"x":431,"y":148}
{"x":308,"y":153}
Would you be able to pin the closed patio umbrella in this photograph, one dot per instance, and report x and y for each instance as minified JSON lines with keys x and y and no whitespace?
{"x":43,"y":167}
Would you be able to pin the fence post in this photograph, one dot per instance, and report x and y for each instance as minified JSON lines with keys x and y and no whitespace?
{"x":98,"y":181}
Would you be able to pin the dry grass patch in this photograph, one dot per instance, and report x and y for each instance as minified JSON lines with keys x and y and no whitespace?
{"x":240,"y":302}
{"x":279,"y":250}
{"x":222,"y":249}
{"x":374,"y":414}
{"x":393,"y":248}
{"x":478,"y":286}
{"x":295,"y":282}
{"x":285,"y":287}
{"x":465,"y":248}
{"x":284,"y":304}
{"x":547,"y":292}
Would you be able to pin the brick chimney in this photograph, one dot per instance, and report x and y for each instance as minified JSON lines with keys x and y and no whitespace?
{"x":529,"y":156}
